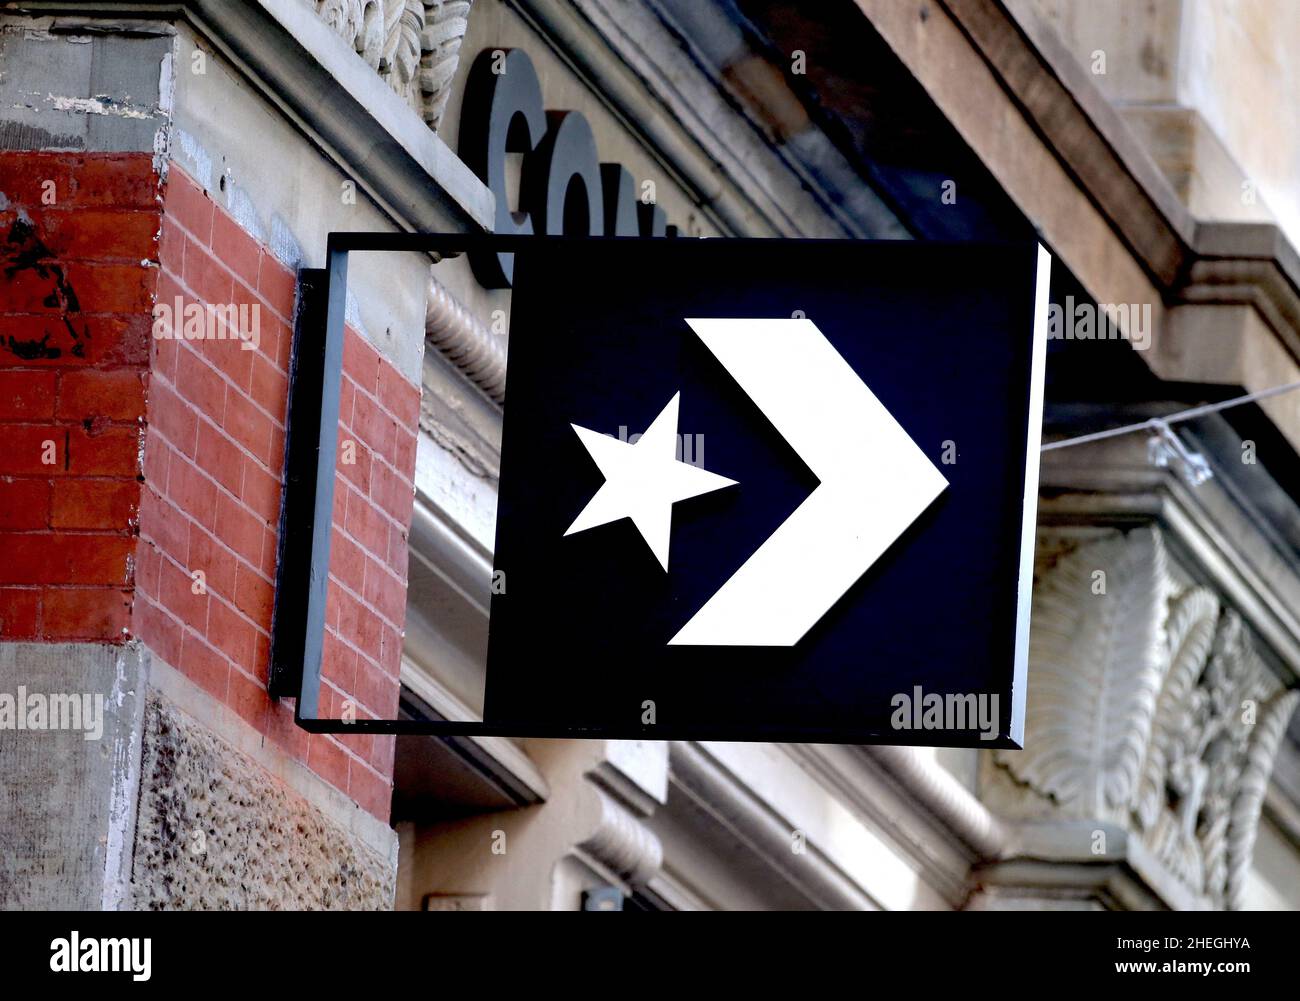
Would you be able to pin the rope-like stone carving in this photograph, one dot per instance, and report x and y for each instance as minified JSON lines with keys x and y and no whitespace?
{"x":472,"y":348}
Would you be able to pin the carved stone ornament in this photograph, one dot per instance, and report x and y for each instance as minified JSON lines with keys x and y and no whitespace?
{"x":1148,"y":706}
{"x":413,"y":44}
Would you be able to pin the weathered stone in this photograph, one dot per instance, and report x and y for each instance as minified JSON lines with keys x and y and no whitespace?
{"x":217,"y":832}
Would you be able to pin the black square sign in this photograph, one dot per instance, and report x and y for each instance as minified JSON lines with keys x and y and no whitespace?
{"x":768,"y":490}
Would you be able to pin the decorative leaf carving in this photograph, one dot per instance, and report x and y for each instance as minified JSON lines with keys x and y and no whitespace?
{"x":1096,"y":666}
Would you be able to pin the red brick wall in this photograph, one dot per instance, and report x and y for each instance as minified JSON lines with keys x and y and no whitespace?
{"x":205,"y":497}
{"x":74,"y":351}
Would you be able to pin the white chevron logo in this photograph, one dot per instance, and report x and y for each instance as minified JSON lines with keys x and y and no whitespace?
{"x":874,"y":482}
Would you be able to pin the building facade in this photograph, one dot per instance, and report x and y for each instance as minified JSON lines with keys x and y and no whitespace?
{"x":169,"y":170}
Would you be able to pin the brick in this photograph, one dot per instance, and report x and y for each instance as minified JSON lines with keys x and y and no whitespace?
{"x":235,"y":248}
{"x":361,"y":361}
{"x":85,"y":614}
{"x":347,"y":561}
{"x":271,"y":332}
{"x":333,"y":595}
{"x":107,"y":504}
{"x":284,"y":732}
{"x":357,"y":472}
{"x":403,"y":457}
{"x":207,"y":276}
{"x":338,"y":662}
{"x":163,"y":525}
{"x":200,"y":385}
{"x":157,"y":459}
{"x":328,"y":760}
{"x":376,"y":691}
{"x":358,"y":625}
{"x":227,"y":354}
{"x":32,"y":290}
{"x":19,"y":611}
{"x":339,"y":511}
{"x":393,"y":494}
{"x":40,"y":558}
{"x":158,"y":630}
{"x":371,"y":792}
{"x":176,"y":587}
{"x":26,"y":448}
{"x":188,"y":204}
{"x":390,"y":651}
{"x":249,"y":426}
{"x":249,"y":699}
{"x":399,"y":550}
{"x":27,"y":171}
{"x":230,"y":633}
{"x":214,"y":559}
{"x":112,"y":288}
{"x":398,"y":396}
{"x":374,"y":425}
{"x":220,"y":458}
{"x":171,"y":250}
{"x":164,"y":352}
{"x":367,"y":525}
{"x":123,"y":340}
{"x":27,"y":394}
{"x":24,"y":504}
{"x":381,"y":753}
{"x":192,"y":493}
{"x":261,"y":492}
{"x":385,"y":593}
{"x":148,"y":565}
{"x":122,"y":180}
{"x":269,"y":388}
{"x":239,"y":529}
{"x":117,"y":394}
{"x":277,"y":285}
{"x":347,"y":395}
{"x":262,"y":659}
{"x":48,"y":339}
{"x":254,"y":596}
{"x":203,"y":665}
{"x":275,"y":464}
{"x":102,"y":234}
{"x":172,"y":417}
{"x":356,"y":744}
{"x":270,"y":552}
{"x":110,"y":452}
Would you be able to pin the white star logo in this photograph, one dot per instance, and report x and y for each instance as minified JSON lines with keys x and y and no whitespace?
{"x":643,"y":481}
